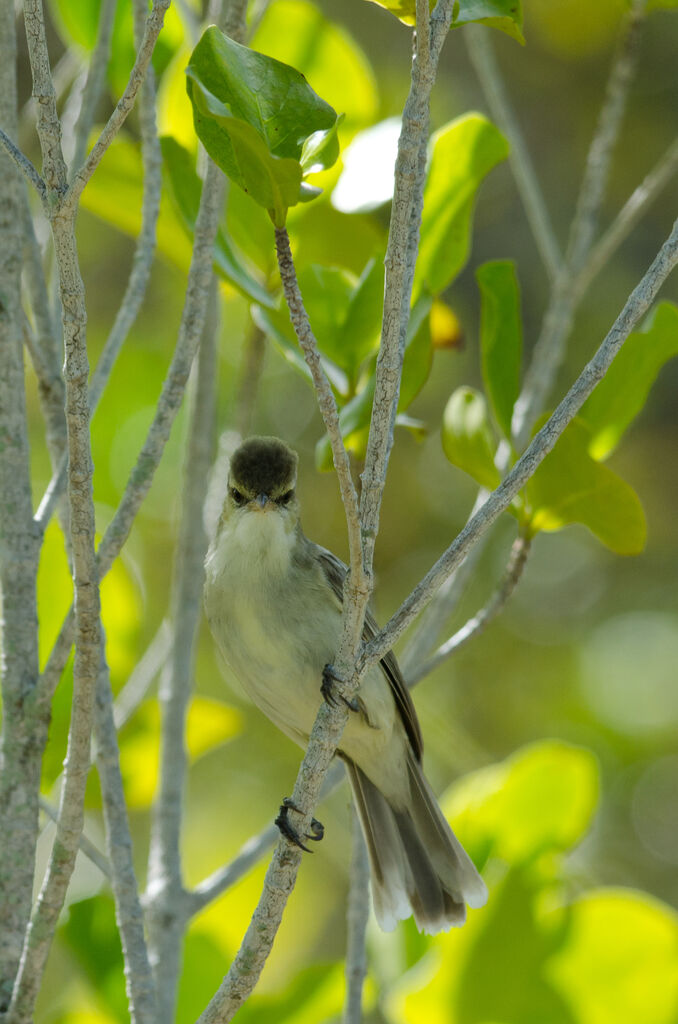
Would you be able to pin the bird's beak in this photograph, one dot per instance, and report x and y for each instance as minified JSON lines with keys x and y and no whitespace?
{"x":261,"y":500}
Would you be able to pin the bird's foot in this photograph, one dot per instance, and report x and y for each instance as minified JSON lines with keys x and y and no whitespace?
{"x":329,"y":690}
{"x":290,"y":832}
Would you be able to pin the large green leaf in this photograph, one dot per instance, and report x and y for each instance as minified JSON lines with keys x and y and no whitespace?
{"x":622,"y":393}
{"x":186,"y":187}
{"x":298,"y":33}
{"x":542,"y":798}
{"x":501,"y":337}
{"x":506,"y":15}
{"x":468,"y":441}
{"x":277,"y":325}
{"x":571,"y":487}
{"x":463,"y":152}
{"x":254,"y":115}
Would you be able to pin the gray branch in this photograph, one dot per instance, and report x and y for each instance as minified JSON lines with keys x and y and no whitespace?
{"x":141,"y":993}
{"x":124,"y":105}
{"x":166,"y":905}
{"x":627,"y":218}
{"x":23,"y":727}
{"x":357,"y":914}
{"x":25,"y":166}
{"x":86,"y":846}
{"x":93,"y":88}
{"x":476,"y":624}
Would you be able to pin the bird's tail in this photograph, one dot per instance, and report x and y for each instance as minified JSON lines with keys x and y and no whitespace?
{"x":418,"y":866}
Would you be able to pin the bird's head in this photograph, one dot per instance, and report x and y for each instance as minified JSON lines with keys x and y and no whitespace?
{"x":263,"y":478}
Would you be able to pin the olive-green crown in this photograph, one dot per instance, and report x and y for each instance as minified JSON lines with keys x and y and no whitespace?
{"x":264,"y":465}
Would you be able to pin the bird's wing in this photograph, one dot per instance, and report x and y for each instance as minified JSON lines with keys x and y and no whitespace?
{"x":335,"y":573}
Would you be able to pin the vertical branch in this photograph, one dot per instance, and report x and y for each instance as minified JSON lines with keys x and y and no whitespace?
{"x":167,"y":905}
{"x":400,"y":256}
{"x":23,"y":732}
{"x":357,"y":914}
{"x":94,"y":85}
{"x":128,"y":912}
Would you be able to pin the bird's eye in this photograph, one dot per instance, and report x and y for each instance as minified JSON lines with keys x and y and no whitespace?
{"x":285,"y":498}
{"x":238,"y":497}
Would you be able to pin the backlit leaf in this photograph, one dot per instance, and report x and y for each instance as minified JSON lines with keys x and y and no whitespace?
{"x":571,"y":487}
{"x":462,"y":153}
{"x":468,"y":441}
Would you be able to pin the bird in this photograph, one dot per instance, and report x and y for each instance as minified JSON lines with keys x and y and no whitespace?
{"x":273,"y":600}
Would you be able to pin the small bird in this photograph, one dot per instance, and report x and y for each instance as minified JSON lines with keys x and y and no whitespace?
{"x":273,"y":600}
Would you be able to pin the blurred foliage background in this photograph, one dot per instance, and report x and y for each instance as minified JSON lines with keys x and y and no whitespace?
{"x":553,"y":734}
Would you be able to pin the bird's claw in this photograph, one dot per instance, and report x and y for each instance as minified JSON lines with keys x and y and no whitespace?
{"x":290,"y":832}
{"x":329,"y":693}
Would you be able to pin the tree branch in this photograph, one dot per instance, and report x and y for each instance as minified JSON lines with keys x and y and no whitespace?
{"x":166,"y":904}
{"x":92,"y":852}
{"x":141,"y":994}
{"x":124,"y":105}
{"x":543,"y":442}
{"x":23,"y":729}
{"x":94,"y":84}
{"x":357,"y":914}
{"x":476,"y":624}
{"x":25,"y":166}
{"x":627,"y":218}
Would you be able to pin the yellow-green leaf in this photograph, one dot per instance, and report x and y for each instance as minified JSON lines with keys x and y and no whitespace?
{"x":468,"y":441}
{"x":571,"y":487}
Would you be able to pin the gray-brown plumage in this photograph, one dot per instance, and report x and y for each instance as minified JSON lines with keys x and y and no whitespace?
{"x":273,"y":599}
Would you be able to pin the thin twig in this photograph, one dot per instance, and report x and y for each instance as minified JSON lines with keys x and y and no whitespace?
{"x":636,"y":305}
{"x":86,"y":845}
{"x":124,"y":105}
{"x":476,"y":624}
{"x":96,"y":78}
{"x":253,"y":363}
{"x":627,"y":218}
{"x":25,"y":166}
{"x":357,"y":914}
{"x":145,"y":671}
{"x":325,"y":396}
{"x":399,"y":267}
{"x":166,"y":909}
{"x":481,"y":51}
{"x":141,"y":993}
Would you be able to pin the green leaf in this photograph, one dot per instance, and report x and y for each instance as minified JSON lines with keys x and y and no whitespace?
{"x":468,"y":441}
{"x":298,"y":33}
{"x":505,"y":15}
{"x":463,"y":152}
{"x":253,"y":114}
{"x":540,"y":799}
{"x":619,"y":959}
{"x":622,"y":393}
{"x":571,"y":487}
{"x":501,"y":337}
{"x":186,"y":187}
